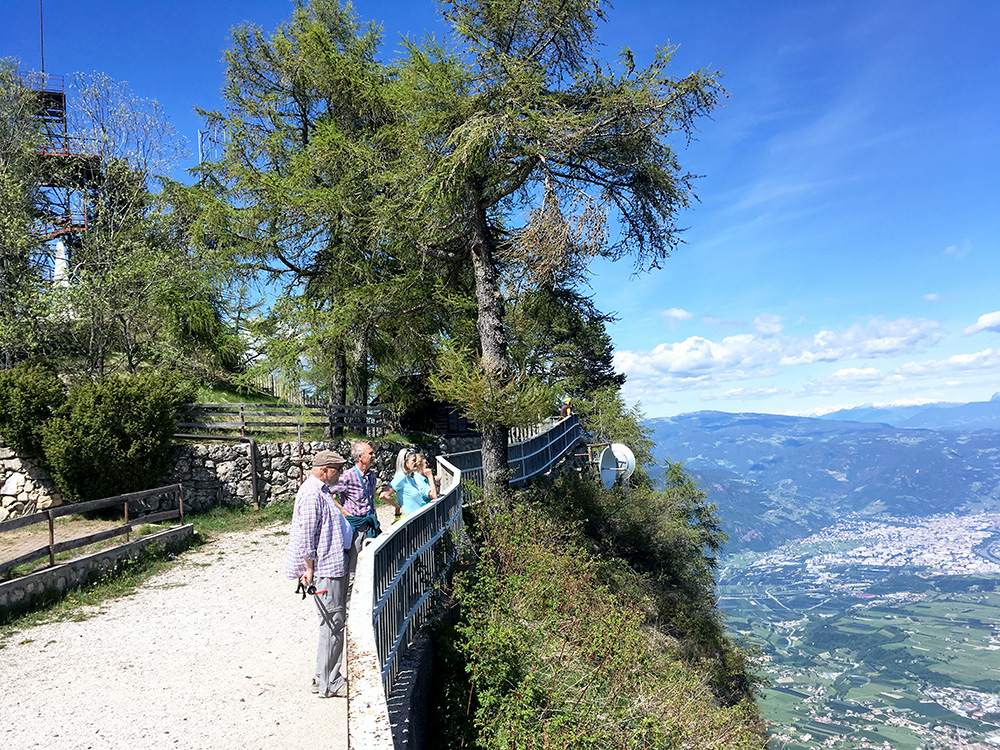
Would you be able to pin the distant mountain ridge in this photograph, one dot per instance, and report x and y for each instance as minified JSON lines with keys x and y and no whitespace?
{"x":777,"y":477}
{"x":977,"y":415}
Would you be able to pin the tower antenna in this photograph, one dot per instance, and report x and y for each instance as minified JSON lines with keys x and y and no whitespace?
{"x":41,"y":37}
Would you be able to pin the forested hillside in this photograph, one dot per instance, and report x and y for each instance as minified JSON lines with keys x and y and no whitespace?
{"x":776,"y":477}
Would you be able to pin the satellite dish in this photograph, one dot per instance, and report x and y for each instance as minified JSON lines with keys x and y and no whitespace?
{"x":616,"y":461}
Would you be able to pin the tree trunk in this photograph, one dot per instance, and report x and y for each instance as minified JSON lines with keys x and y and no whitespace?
{"x":492,"y":337}
{"x":359,"y":376}
{"x":338,"y":390}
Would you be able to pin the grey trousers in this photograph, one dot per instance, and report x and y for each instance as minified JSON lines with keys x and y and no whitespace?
{"x":331,"y":607}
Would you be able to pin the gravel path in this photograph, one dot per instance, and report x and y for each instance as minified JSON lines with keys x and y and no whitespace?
{"x":215,"y":652}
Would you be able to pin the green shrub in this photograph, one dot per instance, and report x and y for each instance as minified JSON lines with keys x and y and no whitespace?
{"x":29,"y":394}
{"x":113,"y":435}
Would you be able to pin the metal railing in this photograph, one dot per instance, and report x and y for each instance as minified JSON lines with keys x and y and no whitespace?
{"x":397,"y":574}
{"x":411,"y":558}
{"x":408,"y":563}
{"x":527,"y":458}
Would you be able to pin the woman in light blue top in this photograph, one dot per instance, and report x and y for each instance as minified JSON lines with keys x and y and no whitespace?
{"x":426,"y":476}
{"x":411,"y":492}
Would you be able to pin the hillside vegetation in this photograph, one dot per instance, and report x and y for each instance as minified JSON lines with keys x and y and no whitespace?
{"x":586,"y":618}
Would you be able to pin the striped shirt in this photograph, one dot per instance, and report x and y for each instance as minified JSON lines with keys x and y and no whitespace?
{"x":319,"y":532}
{"x":357,"y":491}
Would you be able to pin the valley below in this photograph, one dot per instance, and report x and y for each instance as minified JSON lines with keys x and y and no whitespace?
{"x":876,"y":634}
{"x":863,"y":562}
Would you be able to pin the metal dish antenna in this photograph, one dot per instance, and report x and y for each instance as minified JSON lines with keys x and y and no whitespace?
{"x":617,"y":460}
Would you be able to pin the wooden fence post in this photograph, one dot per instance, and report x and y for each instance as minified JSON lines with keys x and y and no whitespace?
{"x":52,"y":538}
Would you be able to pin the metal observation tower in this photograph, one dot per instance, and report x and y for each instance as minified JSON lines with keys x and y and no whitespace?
{"x":70,"y":172}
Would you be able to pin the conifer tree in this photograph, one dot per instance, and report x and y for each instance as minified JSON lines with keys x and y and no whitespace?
{"x":520,"y":145}
{"x":294,"y":194}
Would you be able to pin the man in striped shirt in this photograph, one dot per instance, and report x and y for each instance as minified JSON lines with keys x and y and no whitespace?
{"x":318,"y":550}
{"x":356,"y":489}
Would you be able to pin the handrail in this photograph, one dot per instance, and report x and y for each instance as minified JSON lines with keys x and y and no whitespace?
{"x":398,"y":572}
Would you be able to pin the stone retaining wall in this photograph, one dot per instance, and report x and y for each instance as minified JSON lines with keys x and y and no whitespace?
{"x":213,"y":473}
{"x":24,"y":486}
{"x":220,"y":473}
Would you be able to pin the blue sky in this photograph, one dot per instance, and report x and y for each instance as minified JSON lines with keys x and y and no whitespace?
{"x":845,"y":247}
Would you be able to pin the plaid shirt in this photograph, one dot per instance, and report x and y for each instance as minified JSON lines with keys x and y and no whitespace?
{"x":357,"y":491}
{"x":319,"y":532}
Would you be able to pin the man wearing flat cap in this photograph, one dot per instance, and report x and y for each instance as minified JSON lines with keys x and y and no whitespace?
{"x":317,"y":556}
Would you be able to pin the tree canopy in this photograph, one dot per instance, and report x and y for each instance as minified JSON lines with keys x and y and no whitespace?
{"x":518,"y":145}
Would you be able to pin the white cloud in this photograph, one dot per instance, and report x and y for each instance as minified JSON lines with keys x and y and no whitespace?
{"x":767,"y":323}
{"x":699,"y":363}
{"x":744,"y":394}
{"x":879,"y":338}
{"x":988,"y":360}
{"x":932,"y":297}
{"x":852,"y":378}
{"x":956,"y":251}
{"x":676,"y":315}
{"x":696,"y":356}
{"x":987,"y":322}
{"x":873,"y":379}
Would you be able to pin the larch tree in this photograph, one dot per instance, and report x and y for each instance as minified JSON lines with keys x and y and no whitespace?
{"x":293,"y":194}
{"x":520,"y":147}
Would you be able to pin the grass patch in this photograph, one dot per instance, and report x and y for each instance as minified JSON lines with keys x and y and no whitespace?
{"x":79,"y":604}
{"x":227,"y":393}
{"x":224,"y":520}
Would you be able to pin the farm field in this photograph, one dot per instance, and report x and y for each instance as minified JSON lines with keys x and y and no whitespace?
{"x":869,"y":656}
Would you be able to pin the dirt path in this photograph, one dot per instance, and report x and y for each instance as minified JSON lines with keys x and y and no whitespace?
{"x":17,"y":542}
{"x":215,"y":652}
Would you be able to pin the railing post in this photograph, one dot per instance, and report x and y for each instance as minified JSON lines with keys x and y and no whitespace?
{"x":52,"y":538}
{"x":127,"y":528}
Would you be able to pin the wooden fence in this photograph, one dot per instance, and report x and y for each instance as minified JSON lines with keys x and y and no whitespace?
{"x":366,"y":420}
{"x":139,"y":499}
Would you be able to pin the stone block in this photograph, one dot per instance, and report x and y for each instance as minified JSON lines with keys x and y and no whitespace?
{"x":226,"y":471}
{"x":49,"y":501}
{"x":14,"y":484}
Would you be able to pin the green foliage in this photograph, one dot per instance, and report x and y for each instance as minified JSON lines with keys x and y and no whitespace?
{"x":297,"y":195}
{"x":30,"y":393}
{"x":461,"y":379}
{"x":113,"y":435}
{"x":549,"y":649}
{"x":669,"y":540}
{"x":605,"y":416}
{"x":23,"y":300}
{"x":132,"y":295}
{"x":516,"y":146}
{"x":561,"y":337}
